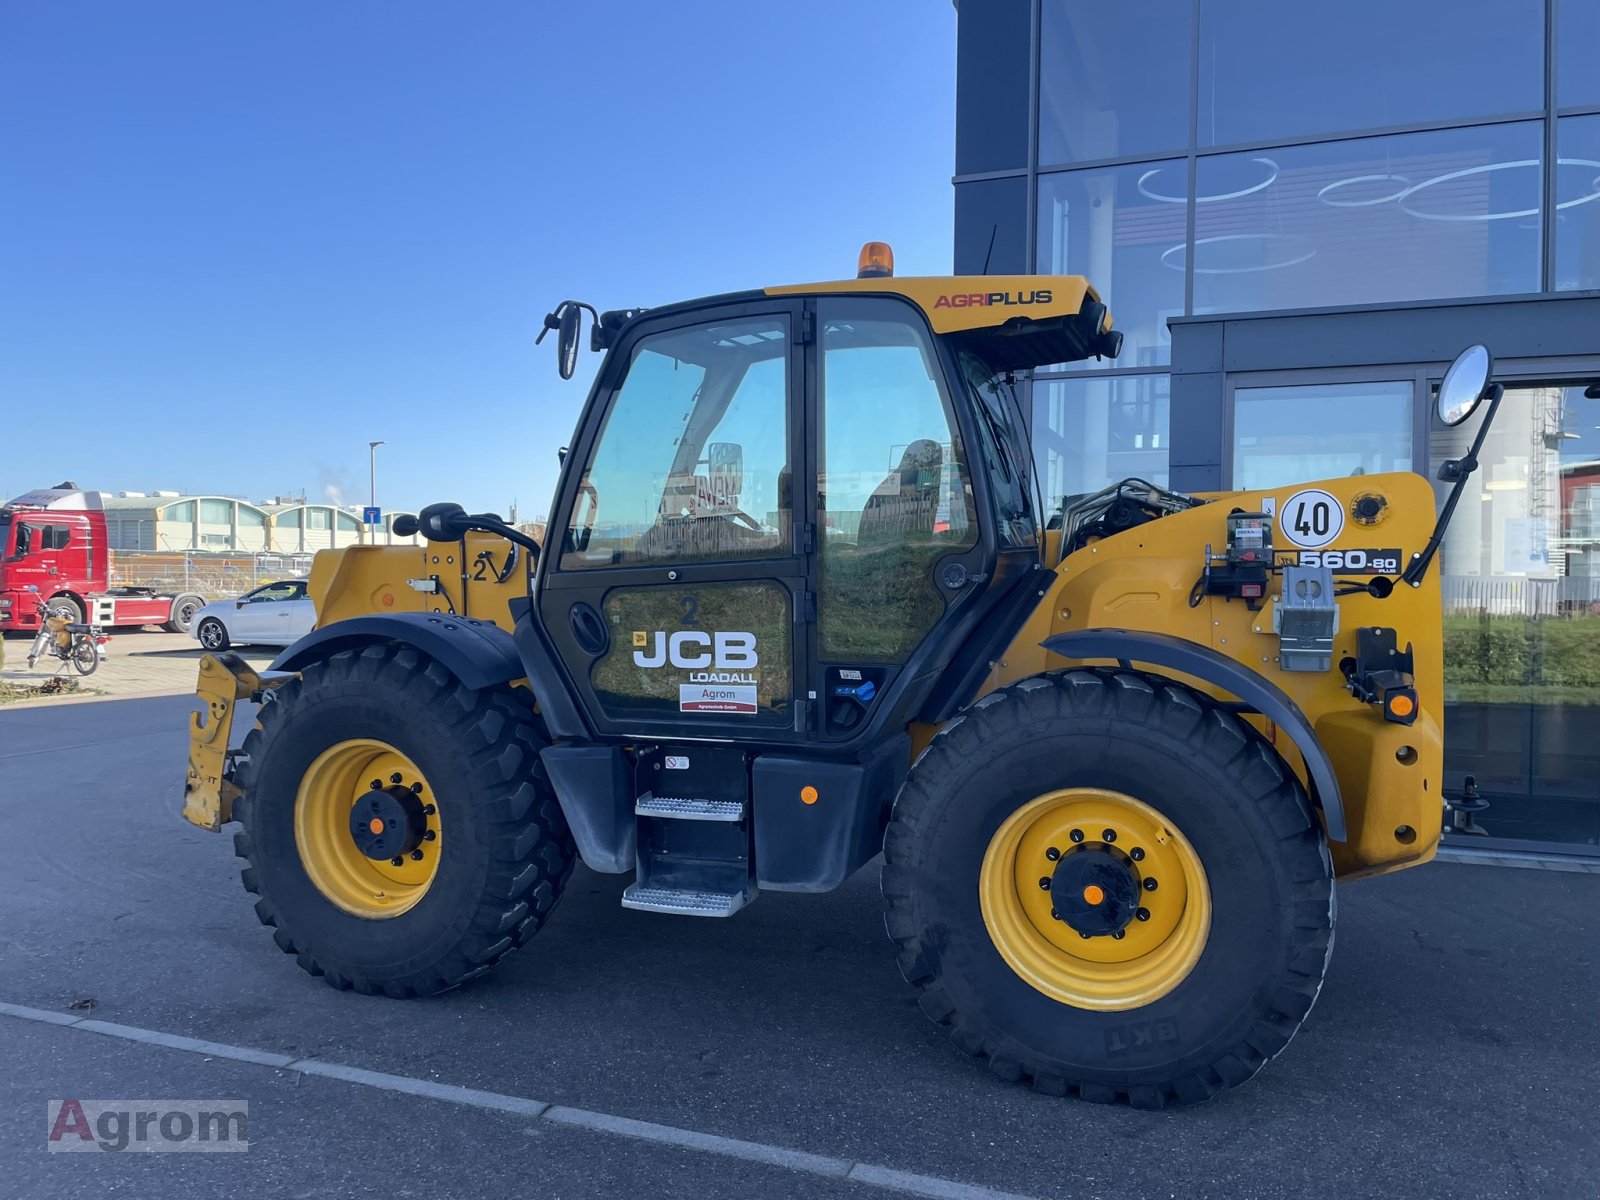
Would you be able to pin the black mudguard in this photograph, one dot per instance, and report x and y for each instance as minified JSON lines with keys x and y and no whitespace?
{"x":478,"y":653}
{"x":1202,"y":662}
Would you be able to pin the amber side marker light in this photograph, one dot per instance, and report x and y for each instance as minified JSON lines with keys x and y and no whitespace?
{"x":876,"y":261}
{"x":1400,"y":707}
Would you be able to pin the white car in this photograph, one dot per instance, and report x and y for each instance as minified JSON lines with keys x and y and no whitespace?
{"x":275,"y":614}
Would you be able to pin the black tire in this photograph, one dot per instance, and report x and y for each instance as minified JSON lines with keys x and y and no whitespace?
{"x":213,"y":635}
{"x":85,"y":655}
{"x":69,"y":607}
{"x":183,"y":610}
{"x":1218,"y":782}
{"x":508,"y":852}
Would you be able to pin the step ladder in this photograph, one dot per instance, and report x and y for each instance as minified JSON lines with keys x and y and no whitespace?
{"x":694,"y":834}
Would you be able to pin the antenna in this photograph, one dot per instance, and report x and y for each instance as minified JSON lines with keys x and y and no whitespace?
{"x":993,"y":229}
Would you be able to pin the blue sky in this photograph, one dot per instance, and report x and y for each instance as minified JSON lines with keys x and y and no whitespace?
{"x":240,"y":240}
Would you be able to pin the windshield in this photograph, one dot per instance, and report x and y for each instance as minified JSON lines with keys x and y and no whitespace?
{"x":1010,"y":468}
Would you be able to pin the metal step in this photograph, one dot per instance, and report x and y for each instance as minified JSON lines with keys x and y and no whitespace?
{"x":682,"y":901}
{"x":682,"y":808}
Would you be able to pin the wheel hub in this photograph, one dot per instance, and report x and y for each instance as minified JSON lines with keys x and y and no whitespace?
{"x":1095,"y":898}
{"x":1095,"y":890}
{"x":388,"y":823}
{"x":367,"y":827}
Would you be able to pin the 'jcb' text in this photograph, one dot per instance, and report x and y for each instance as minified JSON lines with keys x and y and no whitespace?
{"x":696,"y":651}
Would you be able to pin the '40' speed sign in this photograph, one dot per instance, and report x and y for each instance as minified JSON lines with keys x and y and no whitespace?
{"x":1311,"y":519}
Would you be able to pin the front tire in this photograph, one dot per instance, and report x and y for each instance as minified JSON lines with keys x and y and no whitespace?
{"x":496,"y":855}
{"x":1019,"y":941}
{"x":68,"y":606}
{"x":213,"y":635}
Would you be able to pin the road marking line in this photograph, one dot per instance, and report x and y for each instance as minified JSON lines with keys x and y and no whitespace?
{"x":411,"y":1086}
{"x":827,"y":1166}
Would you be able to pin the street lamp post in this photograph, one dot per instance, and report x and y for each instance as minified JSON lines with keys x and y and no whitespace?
{"x":372,"y":478}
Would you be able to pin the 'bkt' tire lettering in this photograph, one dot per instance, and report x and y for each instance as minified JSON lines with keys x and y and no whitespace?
{"x":688,"y":649}
{"x":1140,"y":1035}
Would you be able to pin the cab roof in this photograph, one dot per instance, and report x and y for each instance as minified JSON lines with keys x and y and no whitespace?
{"x":1012,"y":322}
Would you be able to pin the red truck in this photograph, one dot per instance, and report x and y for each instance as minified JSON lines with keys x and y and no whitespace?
{"x":54,"y":539}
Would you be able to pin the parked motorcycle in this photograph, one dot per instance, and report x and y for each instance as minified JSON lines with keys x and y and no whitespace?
{"x":70,"y":641}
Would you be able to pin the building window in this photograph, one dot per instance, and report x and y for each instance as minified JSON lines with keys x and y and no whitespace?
{"x":250,"y":518}
{"x":1271,"y":70}
{"x":1118,"y":226}
{"x":348,"y":524}
{"x":1091,"y":433}
{"x":216,"y":512}
{"x":182,"y":513}
{"x":1577,"y":39}
{"x":1578,"y":203}
{"x":1411,"y":217}
{"x":1113,"y":79}
{"x":1284,"y":435}
{"x":317,"y":518}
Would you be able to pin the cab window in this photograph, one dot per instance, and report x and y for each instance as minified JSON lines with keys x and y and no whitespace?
{"x":1005,"y":461}
{"x":692,"y":462}
{"x":893,"y":493}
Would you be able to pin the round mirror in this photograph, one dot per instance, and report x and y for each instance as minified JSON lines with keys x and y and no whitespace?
{"x":1463,"y":384}
{"x":567,"y":340}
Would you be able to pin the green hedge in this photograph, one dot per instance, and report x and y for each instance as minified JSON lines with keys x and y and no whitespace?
{"x":1496,"y":658}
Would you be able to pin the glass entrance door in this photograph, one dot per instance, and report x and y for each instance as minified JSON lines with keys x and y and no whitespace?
{"x":1521,"y":576}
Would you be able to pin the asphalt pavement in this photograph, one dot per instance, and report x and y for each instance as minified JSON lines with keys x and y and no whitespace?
{"x":1454,"y":1050}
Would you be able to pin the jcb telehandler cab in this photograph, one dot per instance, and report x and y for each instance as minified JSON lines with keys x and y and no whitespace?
{"x":800,"y":601}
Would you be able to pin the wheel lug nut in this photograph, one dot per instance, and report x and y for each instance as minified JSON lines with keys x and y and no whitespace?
{"x":1109,"y":835}
{"x":1052,"y":854}
{"x":429,"y":809}
{"x":1120,"y":934}
{"x":395,"y":778}
{"x":416,"y":787}
{"x":1076,"y":835}
{"x":1054,"y":915}
{"x":397,"y":861}
{"x":1143,"y":914}
{"x":1137,"y":854}
{"x":1084,"y":936}
{"x":416,"y":856}
{"x":1150,"y":884}
{"x":377,"y":785}
{"x":428,"y":835}
{"x":1044,"y":880}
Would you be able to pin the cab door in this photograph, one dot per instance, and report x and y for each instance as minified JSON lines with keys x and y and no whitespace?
{"x":675,"y":589}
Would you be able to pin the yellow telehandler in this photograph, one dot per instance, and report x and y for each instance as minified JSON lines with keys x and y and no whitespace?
{"x":801,"y":601}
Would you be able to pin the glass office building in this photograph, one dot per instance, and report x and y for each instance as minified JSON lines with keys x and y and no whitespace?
{"x":1298,"y":214}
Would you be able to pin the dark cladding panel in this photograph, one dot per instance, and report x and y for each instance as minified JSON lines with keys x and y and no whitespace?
{"x":992,"y":210}
{"x":993,"y":39}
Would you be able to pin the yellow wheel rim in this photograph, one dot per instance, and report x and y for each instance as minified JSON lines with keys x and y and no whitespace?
{"x":1043,"y":843}
{"x":377,"y":777}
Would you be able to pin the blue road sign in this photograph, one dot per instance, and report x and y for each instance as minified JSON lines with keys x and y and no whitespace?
{"x":372,"y":516}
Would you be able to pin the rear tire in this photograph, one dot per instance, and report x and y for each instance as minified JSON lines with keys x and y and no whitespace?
{"x":85,"y":655}
{"x":69,"y":607}
{"x":213,"y":635}
{"x":1217,"y":787}
{"x":183,"y":610}
{"x":504,"y":855}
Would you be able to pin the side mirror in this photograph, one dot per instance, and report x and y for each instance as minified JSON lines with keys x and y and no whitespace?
{"x":1464,"y":384}
{"x":405,"y":525}
{"x":443,"y":522}
{"x":568,"y":326}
